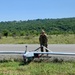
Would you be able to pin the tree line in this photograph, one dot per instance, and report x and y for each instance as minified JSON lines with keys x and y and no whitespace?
{"x":33,"y":27}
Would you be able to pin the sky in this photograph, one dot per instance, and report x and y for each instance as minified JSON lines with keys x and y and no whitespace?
{"x":11,"y":10}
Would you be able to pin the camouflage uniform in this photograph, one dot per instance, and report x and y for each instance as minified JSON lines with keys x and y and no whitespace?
{"x":43,"y":41}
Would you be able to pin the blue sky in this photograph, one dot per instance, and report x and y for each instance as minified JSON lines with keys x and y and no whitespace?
{"x":36,"y":9}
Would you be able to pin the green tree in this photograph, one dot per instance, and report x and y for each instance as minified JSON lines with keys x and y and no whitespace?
{"x":5,"y":33}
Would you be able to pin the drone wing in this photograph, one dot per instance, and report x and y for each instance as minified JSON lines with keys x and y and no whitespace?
{"x":55,"y":53}
{"x":11,"y":52}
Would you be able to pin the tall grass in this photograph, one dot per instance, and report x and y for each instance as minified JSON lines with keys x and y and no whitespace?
{"x":52,"y":39}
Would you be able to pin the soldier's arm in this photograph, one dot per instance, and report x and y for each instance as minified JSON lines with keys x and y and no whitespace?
{"x":46,"y":38}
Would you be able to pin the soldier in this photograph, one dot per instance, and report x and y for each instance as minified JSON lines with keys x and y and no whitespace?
{"x":43,"y":40}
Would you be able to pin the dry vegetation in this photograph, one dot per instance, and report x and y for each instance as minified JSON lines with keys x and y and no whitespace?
{"x":52,"y":39}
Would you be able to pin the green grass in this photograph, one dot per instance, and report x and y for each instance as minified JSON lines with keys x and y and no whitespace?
{"x":52,"y":39}
{"x":38,"y":68}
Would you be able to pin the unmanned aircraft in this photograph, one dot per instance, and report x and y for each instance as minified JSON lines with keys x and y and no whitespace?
{"x":30,"y":55}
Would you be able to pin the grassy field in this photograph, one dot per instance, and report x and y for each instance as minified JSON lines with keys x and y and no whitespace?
{"x":37,"y":68}
{"x":52,"y":39}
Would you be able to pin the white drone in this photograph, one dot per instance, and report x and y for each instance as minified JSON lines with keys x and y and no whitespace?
{"x":30,"y":55}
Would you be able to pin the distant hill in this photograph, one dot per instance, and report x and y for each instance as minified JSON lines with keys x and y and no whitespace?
{"x":51,"y":26}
